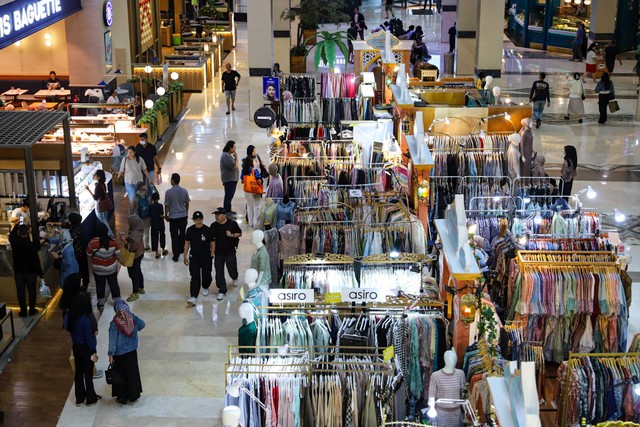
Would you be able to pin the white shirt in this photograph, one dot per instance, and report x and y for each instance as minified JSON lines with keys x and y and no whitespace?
{"x":17,"y":213}
{"x":576,"y":90}
{"x":591,"y":57}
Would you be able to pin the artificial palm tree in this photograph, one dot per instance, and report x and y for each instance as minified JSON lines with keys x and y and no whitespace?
{"x":326,"y":48}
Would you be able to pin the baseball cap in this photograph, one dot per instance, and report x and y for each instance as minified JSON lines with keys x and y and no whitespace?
{"x":220,"y":211}
{"x":197,"y":215}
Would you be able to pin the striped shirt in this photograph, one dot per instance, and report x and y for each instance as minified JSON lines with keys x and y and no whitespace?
{"x":105,"y":261}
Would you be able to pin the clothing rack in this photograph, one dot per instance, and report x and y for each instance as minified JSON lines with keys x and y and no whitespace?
{"x":566,"y":258}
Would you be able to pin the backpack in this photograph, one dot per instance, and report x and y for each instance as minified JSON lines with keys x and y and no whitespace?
{"x":143,"y":207}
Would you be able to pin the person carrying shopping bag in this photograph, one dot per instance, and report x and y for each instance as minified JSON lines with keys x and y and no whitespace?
{"x":251,"y":178}
{"x":134,"y":244}
{"x":606,"y":93}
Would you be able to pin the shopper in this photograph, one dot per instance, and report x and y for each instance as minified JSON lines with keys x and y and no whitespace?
{"x":149,"y":154}
{"x":577,"y":44}
{"x":134,"y":170}
{"x":452,"y":37}
{"x":388,"y":7}
{"x":20,"y":215}
{"x":103,"y":253}
{"x":610,"y":56}
{"x":606,"y":93}
{"x":140,"y":207}
{"x":157,"y":226}
{"x":352,"y":34}
{"x":276,"y":71}
{"x":123,"y":352}
{"x":230,"y":82}
{"x":226,"y":236}
{"x":539,"y":94}
{"x":591,"y":64}
{"x":576,"y":98}
{"x":134,"y":244}
{"x":72,"y":287}
{"x":53,"y":82}
{"x":229,"y":174}
{"x":85,"y":355}
{"x":198,"y":255}
{"x":79,"y":245}
{"x":65,"y":255}
{"x":569,"y":170}
{"x":103,"y":204}
{"x":26,"y":266}
{"x":251,"y":166}
{"x":275,"y":190}
{"x":176,"y":209}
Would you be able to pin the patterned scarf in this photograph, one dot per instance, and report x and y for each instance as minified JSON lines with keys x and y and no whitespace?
{"x":123,"y":318}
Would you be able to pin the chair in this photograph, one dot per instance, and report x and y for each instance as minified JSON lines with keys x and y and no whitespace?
{"x":129,"y":88}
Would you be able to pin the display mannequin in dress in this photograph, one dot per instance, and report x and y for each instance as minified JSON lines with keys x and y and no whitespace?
{"x":448,"y":383}
{"x":513,"y":156}
{"x":231,"y":416}
{"x":526,"y":148}
{"x":260,"y":260}
{"x":248,"y":332}
{"x":254,"y":292}
{"x":268,"y":214}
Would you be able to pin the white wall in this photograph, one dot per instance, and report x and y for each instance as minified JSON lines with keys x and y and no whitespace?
{"x":33,"y":57}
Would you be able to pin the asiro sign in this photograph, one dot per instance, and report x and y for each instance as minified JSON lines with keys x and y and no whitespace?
{"x":21,"y":18}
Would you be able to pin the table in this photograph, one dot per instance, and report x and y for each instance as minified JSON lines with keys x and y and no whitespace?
{"x":48,"y":105}
{"x":12,"y":337}
{"x":15,"y":93}
{"x":44,"y":93}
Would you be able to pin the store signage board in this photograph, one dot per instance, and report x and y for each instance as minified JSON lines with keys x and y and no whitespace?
{"x":264,"y":117}
{"x":377,"y":40}
{"x":107,"y":13}
{"x":291,"y":296}
{"x":21,"y":18}
{"x":362,"y":295}
{"x":355,"y":193}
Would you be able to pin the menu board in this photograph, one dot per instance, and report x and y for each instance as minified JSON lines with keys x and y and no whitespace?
{"x":145,"y":22}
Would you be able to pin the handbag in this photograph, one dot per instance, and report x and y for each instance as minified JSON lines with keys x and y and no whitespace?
{"x":44,"y":291}
{"x":613,"y":106}
{"x":105,"y":204}
{"x":112,"y":376}
{"x":252,"y":184}
{"x":126,"y":257}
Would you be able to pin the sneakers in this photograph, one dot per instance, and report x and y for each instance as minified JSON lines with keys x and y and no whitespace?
{"x":99,"y":374}
{"x":538,"y":123}
{"x":133,"y":297}
{"x":205,"y":292}
{"x":191,"y":301}
{"x":100,"y":306}
{"x":235,"y":283}
{"x":99,"y":398}
{"x":220,"y":297}
{"x":79,"y":403}
{"x":165,"y":252}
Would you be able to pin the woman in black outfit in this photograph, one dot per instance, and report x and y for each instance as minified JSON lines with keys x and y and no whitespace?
{"x":569,"y":170}
{"x":606,"y":93}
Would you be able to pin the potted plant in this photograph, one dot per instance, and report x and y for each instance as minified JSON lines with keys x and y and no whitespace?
{"x":297,"y":59}
{"x":327,"y":48}
{"x":312,"y":13}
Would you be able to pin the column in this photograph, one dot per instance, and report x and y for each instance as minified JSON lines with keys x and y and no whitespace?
{"x":260,"y":34}
{"x":466,"y":38}
{"x":490,"y":27}
{"x":281,"y":35}
{"x":603,"y":20}
{"x":449,"y":16}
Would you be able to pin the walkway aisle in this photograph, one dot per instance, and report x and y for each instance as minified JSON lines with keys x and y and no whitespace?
{"x":183,"y":350}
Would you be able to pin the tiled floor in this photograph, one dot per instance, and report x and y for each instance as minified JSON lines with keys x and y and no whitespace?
{"x":183,"y":350}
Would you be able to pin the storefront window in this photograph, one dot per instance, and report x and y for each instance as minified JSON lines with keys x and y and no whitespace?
{"x":567,"y":15}
{"x":536,"y":14}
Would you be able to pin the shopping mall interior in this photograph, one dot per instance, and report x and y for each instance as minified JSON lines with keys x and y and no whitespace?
{"x":439,"y":256}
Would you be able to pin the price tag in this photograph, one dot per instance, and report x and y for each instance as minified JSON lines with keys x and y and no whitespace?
{"x":388,"y":353}
{"x":242,"y":293}
{"x":360,"y":295}
{"x":332,"y":297}
{"x":291,"y":296}
{"x":355,"y":193}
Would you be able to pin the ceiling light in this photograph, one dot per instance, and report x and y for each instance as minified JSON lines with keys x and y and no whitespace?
{"x":591,"y":193}
{"x":47,"y":36}
{"x":619,"y":216}
{"x":148,"y":103}
{"x":47,"y":43}
{"x":160,"y":91}
{"x":446,"y":121}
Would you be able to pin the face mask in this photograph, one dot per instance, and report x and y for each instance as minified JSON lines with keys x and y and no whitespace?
{"x":143,"y":142}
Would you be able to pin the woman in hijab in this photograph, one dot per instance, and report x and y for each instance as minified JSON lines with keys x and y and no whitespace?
{"x":134,"y":243}
{"x":123,"y":354}
{"x":606,"y":93}
{"x":84,"y":349}
{"x":251,"y":166}
{"x":569,"y":170}
{"x":66,"y":255}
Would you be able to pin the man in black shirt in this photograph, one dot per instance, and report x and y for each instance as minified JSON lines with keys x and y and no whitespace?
{"x":226,"y":235}
{"x":26,"y":265}
{"x":539,"y":95}
{"x":452,"y":38}
{"x":149,"y":154}
{"x":230,"y":82}
{"x":199,"y":239}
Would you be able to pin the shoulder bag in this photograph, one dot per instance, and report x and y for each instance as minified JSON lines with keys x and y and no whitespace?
{"x":252,"y":184}
{"x":126,"y":257}
{"x":613,"y":106}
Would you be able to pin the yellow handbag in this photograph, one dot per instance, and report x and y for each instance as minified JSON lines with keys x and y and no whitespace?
{"x":126,"y":257}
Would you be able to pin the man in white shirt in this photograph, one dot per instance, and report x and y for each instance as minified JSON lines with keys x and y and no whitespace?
{"x":20,"y":215}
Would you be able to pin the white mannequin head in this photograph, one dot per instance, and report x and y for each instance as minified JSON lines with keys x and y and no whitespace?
{"x":250,"y":278}
{"x":231,"y":416}
{"x":514,"y":139}
{"x":496,"y":91}
{"x":257,"y":237}
{"x":450,"y":361}
{"x":526,"y":123}
{"x":246,"y":313}
{"x":487,"y":82}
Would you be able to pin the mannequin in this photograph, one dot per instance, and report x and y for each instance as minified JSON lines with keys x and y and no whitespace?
{"x":448,"y":383}
{"x":231,"y":416}
{"x":286,"y":209}
{"x":254,"y":292}
{"x":260,"y":260}
{"x":513,"y":156}
{"x":496,"y":94}
{"x":248,"y":332}
{"x":488,"y":95}
{"x":268,"y":214}
{"x":526,"y":147}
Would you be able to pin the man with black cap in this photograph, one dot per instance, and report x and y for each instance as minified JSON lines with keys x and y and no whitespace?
{"x":200,"y":240}
{"x":226,"y":235}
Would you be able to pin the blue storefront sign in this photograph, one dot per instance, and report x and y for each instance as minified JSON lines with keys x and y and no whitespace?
{"x":22,"y":18}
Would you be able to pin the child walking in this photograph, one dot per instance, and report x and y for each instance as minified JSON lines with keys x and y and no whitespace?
{"x":156,"y":212}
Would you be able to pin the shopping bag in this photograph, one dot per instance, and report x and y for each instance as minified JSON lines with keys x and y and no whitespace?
{"x":44,"y":291}
{"x":252,"y":184}
{"x":126,"y":257}
{"x":113,"y":376}
{"x":613,"y":106}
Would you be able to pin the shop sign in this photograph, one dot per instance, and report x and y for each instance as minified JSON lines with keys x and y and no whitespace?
{"x":107,"y":13}
{"x":332,"y":297}
{"x":21,"y":18}
{"x":357,"y":193}
{"x":388,"y":353}
{"x":360,"y":295}
{"x":291,"y":296}
{"x":264,"y":117}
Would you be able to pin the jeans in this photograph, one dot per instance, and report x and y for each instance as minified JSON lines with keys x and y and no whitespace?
{"x":232,"y":268}
{"x":131,"y":191}
{"x":538,"y":109}
{"x":229,"y":192}
{"x":103,"y":217}
{"x":26,"y":282}
{"x":101,"y":282}
{"x":158,"y":233}
{"x":84,"y":374}
{"x":135,"y":274}
{"x":150,"y":182}
{"x":177,"y":228}
{"x":200,"y":270}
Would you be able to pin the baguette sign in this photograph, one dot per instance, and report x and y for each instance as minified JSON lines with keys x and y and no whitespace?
{"x":21,"y":18}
